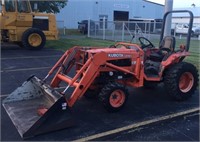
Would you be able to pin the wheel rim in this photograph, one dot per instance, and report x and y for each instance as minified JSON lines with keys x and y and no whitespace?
{"x":117,"y":98}
{"x":186,"y":82}
{"x":34,"y":39}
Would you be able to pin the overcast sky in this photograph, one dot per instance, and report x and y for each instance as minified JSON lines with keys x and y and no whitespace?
{"x":180,"y":3}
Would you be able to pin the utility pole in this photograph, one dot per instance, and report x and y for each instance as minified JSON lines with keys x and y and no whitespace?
{"x":168,"y":7}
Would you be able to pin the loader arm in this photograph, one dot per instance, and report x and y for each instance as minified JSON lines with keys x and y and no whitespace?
{"x":89,"y":72}
{"x":96,"y":63}
{"x":83,"y":78}
{"x":47,"y":106}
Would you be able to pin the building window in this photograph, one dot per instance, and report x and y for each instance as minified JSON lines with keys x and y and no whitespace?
{"x":121,"y":15}
{"x":101,"y":17}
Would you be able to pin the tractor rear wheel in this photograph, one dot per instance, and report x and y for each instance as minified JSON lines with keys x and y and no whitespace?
{"x":34,"y":39}
{"x":113,"y":96}
{"x":181,"y":80}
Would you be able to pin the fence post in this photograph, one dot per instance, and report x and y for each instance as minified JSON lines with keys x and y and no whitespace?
{"x":149,"y":30}
{"x":154,"y":26}
{"x":180,"y":37}
{"x":113,"y":30}
{"x":64,"y":31}
{"x":95,"y":29}
{"x":123,"y":31}
{"x":175,"y":29}
{"x":88,"y":31}
{"x":135,"y":32}
{"x":145,"y":29}
{"x":104,"y":27}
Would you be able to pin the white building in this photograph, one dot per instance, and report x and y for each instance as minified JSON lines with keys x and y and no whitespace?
{"x":184,"y":17}
{"x":111,"y":10}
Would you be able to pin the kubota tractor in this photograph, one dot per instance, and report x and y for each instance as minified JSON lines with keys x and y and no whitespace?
{"x":37,"y":107}
{"x":20,"y":25}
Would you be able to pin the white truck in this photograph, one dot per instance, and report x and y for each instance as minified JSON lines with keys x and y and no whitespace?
{"x":183,"y":29}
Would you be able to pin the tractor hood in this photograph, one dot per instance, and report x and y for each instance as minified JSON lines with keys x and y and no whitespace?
{"x":109,"y":50}
{"x":115,"y":52}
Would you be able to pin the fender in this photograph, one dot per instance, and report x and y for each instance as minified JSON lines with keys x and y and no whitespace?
{"x":174,"y":58}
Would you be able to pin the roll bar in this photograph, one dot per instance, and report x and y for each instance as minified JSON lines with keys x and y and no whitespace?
{"x":190,"y":25}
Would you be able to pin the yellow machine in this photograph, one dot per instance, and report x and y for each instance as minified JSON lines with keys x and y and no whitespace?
{"x":19,"y":24}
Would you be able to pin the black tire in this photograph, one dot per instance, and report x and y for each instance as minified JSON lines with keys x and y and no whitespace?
{"x":40,"y":37}
{"x":108,"y":93}
{"x":177,"y":86}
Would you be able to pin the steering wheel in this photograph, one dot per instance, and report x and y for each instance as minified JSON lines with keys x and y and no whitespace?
{"x":142,"y":41}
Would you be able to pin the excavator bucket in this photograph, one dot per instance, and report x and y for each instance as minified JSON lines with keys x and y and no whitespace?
{"x":36,"y":108}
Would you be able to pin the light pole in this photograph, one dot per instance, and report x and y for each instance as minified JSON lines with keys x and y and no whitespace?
{"x":168,"y":7}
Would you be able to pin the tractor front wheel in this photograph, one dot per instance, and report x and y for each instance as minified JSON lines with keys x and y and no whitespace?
{"x":33,"y":38}
{"x":181,"y":80}
{"x":113,"y":96}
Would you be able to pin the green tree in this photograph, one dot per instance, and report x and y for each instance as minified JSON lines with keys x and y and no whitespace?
{"x":51,"y":6}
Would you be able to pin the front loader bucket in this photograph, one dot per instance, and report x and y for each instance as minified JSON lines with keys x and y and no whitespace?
{"x":36,"y":108}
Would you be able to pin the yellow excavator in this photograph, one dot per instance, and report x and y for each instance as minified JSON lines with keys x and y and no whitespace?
{"x":21,"y":25}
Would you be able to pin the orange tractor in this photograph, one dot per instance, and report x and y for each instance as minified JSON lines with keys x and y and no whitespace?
{"x":37,"y":107}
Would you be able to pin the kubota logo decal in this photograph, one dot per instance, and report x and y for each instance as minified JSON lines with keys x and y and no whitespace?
{"x":114,"y":55}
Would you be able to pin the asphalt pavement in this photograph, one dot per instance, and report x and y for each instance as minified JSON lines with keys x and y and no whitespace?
{"x":18,"y":64}
{"x":184,"y":128}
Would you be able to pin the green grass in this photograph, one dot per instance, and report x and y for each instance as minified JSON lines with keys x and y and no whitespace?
{"x":72,"y":32}
{"x":64,"y":44}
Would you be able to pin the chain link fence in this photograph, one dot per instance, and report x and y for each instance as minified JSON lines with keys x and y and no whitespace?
{"x":126,"y":30}
{"x":61,"y":28}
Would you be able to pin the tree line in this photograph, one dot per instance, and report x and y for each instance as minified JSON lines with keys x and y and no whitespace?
{"x":49,"y":6}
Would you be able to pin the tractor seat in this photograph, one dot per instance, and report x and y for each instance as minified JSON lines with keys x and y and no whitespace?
{"x":166,"y":47}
